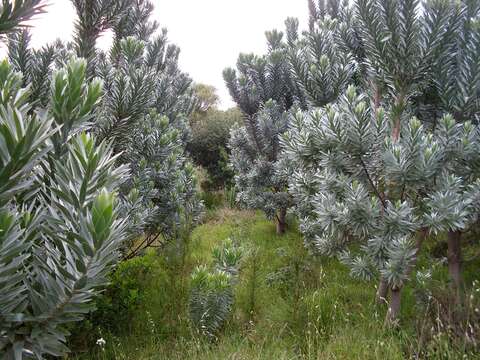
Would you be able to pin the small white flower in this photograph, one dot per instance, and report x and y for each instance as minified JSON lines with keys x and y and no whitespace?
{"x":101,"y":342}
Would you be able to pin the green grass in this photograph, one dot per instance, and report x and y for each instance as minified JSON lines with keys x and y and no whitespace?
{"x":288,"y":305}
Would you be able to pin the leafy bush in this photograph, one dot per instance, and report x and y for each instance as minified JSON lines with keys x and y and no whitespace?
{"x":117,"y":305}
{"x":227,"y":257}
{"x":208,"y":145}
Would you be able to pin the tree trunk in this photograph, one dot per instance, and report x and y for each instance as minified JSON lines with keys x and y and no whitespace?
{"x":396,"y":130}
{"x":281,"y":221}
{"x":421,"y":236}
{"x":454,"y":256}
{"x":382,"y":291}
{"x":394,"y":307}
{"x":397,"y":110}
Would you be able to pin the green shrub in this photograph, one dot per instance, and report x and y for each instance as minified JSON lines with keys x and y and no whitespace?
{"x":212,"y":200}
{"x":208,"y":144}
{"x":227,"y":257}
{"x":118,"y":304}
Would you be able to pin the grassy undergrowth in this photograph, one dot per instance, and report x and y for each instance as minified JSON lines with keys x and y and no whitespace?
{"x":288,"y":306}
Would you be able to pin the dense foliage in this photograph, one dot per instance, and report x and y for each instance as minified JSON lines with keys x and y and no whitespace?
{"x":264,"y":91}
{"x":370,"y":181}
{"x":307,"y":70}
{"x":383,"y":194}
{"x":60,"y":221}
{"x":145,"y":112}
{"x":77,"y":189}
{"x":210,"y":131}
{"x":364,"y":128}
{"x":147,"y":100}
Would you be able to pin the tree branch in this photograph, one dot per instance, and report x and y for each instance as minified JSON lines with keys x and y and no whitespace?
{"x":144,"y":244}
{"x":377,"y":192}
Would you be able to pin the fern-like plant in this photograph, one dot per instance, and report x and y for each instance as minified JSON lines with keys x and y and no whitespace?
{"x":212,"y":291}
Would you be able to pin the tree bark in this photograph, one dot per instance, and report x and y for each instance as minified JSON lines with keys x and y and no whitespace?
{"x":393,"y":312}
{"x":399,"y":108}
{"x":454,"y":255}
{"x":382,"y":291}
{"x":396,"y":130}
{"x":421,"y":236}
{"x":281,"y":221}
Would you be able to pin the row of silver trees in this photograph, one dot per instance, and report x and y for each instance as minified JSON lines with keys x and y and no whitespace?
{"x":366,"y":126}
{"x":91,"y":160}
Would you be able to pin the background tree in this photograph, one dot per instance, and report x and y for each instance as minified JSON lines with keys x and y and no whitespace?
{"x":208,"y":145}
{"x":262,"y":80}
{"x":206,"y":96}
{"x":147,"y":101}
{"x":209,"y":137}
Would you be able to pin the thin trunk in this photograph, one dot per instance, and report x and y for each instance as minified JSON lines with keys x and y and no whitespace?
{"x":382,"y":291}
{"x":421,"y":236}
{"x":454,"y":255}
{"x":396,"y":130}
{"x":148,"y":241}
{"x":393,"y":312}
{"x":281,"y":221}
{"x":398,"y":109}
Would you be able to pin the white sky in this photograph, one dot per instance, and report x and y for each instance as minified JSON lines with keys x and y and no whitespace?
{"x":210,"y":33}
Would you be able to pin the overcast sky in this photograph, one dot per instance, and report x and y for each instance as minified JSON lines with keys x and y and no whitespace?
{"x":210,"y":33}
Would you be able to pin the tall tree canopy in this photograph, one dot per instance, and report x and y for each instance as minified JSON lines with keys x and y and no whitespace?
{"x":362,"y":169}
{"x":142,"y":83}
